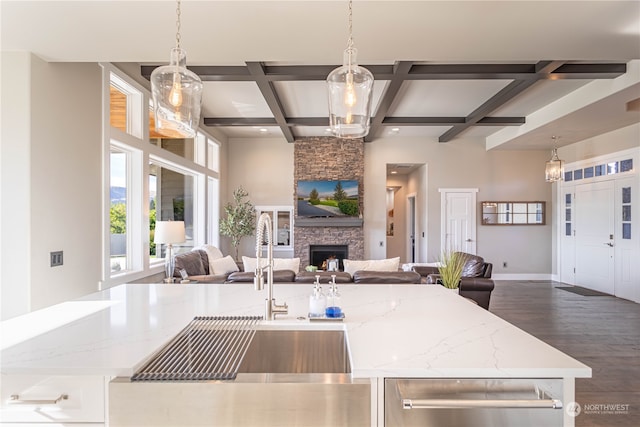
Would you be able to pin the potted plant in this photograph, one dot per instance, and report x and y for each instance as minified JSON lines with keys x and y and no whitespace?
{"x":239,"y":220}
{"x":450,"y":268}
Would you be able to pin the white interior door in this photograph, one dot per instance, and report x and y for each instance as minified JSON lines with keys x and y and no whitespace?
{"x":594,"y":233}
{"x":459,"y":220}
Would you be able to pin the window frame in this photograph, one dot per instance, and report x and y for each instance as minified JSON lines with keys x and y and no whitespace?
{"x":136,"y":141}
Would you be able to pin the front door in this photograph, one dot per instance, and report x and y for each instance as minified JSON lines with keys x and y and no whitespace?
{"x":594,"y":236}
{"x":459,"y":220}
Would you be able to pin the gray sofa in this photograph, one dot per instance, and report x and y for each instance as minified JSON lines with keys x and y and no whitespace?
{"x":196,"y":264}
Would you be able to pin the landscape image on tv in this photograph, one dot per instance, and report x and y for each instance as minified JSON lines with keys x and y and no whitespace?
{"x":324,"y":199}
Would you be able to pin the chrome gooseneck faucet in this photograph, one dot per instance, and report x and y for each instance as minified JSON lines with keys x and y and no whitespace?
{"x":271,"y":308}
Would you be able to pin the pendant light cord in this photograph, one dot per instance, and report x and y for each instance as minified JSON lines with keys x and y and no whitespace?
{"x":178,"y":24}
{"x":350,"y":41}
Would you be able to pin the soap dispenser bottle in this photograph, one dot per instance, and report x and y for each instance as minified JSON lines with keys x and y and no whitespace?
{"x":317,"y":300}
{"x":333,"y":300}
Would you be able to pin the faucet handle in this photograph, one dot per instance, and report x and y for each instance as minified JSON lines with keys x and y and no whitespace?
{"x":258,"y":280}
{"x":279,"y":308}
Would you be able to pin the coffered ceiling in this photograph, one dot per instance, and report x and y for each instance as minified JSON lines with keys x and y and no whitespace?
{"x":512,"y":73}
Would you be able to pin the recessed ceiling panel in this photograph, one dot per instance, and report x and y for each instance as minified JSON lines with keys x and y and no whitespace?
{"x":480,"y":131}
{"x":419,"y":131}
{"x":309,"y":98}
{"x":233,"y":99}
{"x":311,"y":131}
{"x":251,"y":131}
{"x":443,"y":98}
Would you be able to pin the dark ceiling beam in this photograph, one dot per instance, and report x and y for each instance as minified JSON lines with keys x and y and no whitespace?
{"x":503,"y":96}
{"x":388,"y":121}
{"x":522,"y":76}
{"x":506,"y":94}
{"x":400,"y":71}
{"x":268,"y":92}
{"x":417,"y":72}
{"x":451,"y":121}
{"x":239,"y":121}
{"x":318,"y":72}
{"x":210,"y":73}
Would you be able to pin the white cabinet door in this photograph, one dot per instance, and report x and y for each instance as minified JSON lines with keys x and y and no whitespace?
{"x":52,"y":399}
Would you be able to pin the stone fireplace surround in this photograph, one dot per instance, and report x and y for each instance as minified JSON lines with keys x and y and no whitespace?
{"x":328,"y":158}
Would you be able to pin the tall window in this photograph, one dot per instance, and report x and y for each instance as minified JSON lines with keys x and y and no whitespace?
{"x":152,"y":177}
{"x":171,"y":198}
{"x":118,"y":216}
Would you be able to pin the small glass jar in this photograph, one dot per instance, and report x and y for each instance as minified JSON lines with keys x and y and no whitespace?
{"x":317,"y":300}
{"x":333,"y":309}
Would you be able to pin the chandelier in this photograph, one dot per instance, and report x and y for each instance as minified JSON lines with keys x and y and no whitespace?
{"x":554,"y":170}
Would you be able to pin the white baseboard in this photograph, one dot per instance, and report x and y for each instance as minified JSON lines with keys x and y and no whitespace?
{"x":524,"y":276}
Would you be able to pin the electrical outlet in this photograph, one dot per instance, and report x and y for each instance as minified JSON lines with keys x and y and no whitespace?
{"x":56,"y":258}
{"x":504,"y":264}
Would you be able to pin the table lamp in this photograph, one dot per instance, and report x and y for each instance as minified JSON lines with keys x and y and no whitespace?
{"x":168,"y":233}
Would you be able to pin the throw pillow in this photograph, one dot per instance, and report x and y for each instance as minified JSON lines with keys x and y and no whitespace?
{"x":213,"y":254}
{"x":389,"y":264}
{"x":292,"y":264}
{"x":191,"y":262}
{"x":223,"y":265}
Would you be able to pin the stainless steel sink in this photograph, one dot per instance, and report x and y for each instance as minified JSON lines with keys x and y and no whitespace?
{"x":297,"y":352}
{"x":286,"y":378}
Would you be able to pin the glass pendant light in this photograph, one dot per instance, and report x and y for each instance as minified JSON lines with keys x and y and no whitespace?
{"x":350,"y":89}
{"x":177,"y":93}
{"x":554,"y":170}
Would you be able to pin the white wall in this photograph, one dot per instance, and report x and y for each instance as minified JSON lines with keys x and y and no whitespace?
{"x":610,"y":142}
{"x":265,"y":169}
{"x":54,"y":197}
{"x":15,"y":259}
{"x":464,"y":163}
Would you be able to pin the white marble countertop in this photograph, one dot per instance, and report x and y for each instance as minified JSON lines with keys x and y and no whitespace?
{"x":392,"y":331}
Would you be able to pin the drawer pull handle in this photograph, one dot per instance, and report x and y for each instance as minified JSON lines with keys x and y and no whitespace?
{"x":490,"y":403}
{"x":15,"y":400}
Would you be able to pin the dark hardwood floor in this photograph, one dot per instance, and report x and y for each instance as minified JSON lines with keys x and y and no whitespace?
{"x":603,"y":332}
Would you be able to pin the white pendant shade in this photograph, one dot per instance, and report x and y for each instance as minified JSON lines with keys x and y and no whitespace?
{"x":350,"y":93}
{"x":554,"y":169}
{"x":177,"y":95}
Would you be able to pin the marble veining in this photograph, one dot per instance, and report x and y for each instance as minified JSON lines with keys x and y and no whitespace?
{"x":392,"y":331}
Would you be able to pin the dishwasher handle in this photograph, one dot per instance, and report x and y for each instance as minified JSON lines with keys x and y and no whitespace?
{"x":481,"y":403}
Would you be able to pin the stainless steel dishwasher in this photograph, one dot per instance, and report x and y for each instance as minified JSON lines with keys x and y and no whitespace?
{"x":473,"y":402}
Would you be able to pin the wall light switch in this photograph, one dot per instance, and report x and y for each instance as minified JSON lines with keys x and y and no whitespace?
{"x":56,"y":258}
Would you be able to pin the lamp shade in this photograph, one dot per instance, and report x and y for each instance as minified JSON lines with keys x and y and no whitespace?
{"x":169,"y":232}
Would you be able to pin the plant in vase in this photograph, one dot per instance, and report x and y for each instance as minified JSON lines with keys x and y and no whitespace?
{"x":240,"y":220}
{"x":450,"y":268}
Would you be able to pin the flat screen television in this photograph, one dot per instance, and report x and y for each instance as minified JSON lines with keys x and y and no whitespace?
{"x":326,"y":199}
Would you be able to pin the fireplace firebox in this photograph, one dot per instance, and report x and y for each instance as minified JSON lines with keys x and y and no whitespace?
{"x":318,"y":254}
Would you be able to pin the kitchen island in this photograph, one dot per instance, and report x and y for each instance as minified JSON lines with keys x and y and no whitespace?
{"x":392,"y":331}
